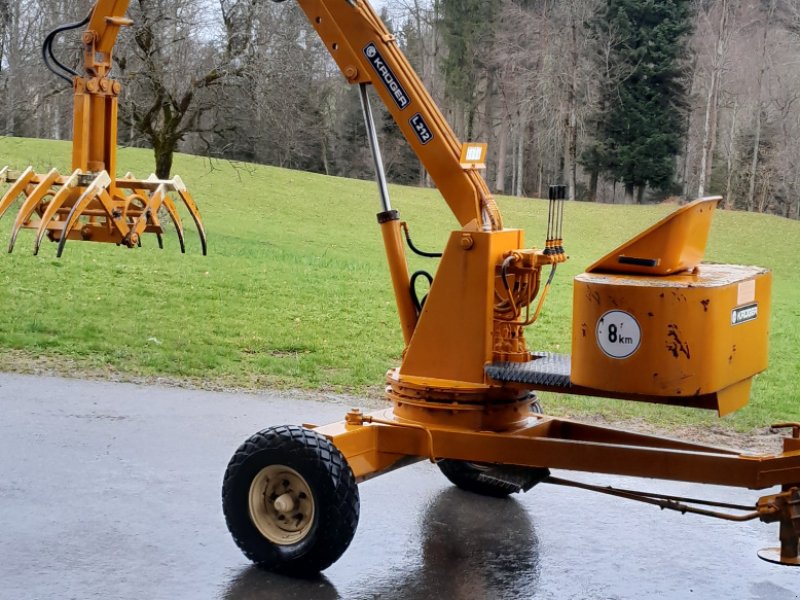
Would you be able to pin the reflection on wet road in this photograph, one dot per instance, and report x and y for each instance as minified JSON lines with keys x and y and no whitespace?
{"x":112,"y":491}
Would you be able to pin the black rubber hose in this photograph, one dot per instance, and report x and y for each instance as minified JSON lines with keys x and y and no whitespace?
{"x":48,"y":55}
{"x":417,"y":302}
{"x":416,"y":250}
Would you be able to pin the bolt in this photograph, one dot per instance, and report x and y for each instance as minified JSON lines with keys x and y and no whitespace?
{"x":467,"y":242}
{"x":354,"y":417}
{"x":351,"y":73}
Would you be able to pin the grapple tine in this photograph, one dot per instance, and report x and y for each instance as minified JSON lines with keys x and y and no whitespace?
{"x":183,"y":192}
{"x":30,"y":204}
{"x":157,"y":223}
{"x":169,"y":205}
{"x":101,"y":182}
{"x":16,"y":189}
{"x":64,"y":194}
{"x":154,"y":202}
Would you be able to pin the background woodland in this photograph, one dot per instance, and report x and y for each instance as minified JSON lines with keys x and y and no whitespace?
{"x":624,"y":101}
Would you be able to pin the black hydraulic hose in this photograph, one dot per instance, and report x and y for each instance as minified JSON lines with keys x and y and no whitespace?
{"x":48,"y":55}
{"x":419,"y":304}
{"x":416,"y":250}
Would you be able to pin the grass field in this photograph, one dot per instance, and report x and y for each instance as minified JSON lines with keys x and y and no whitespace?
{"x":295,"y":292}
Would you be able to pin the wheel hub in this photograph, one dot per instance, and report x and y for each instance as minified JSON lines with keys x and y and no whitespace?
{"x":281,"y":504}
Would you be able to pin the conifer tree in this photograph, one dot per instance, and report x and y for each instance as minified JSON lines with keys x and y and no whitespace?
{"x":641,"y":125}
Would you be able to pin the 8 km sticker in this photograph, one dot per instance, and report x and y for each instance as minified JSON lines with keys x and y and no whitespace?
{"x":618,"y":334}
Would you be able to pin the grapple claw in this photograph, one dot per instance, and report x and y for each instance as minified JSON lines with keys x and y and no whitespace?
{"x":94,"y":207}
{"x":67,"y":193}
{"x":183,"y":192}
{"x":172,"y":211}
{"x":92,"y":204}
{"x":31,"y":203}
{"x":97,"y":190}
{"x":19,"y":184}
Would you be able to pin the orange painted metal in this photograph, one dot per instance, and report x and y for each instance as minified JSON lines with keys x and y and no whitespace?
{"x":366,"y":52}
{"x":398,"y":269}
{"x":91,"y":204}
{"x":453,"y":339}
{"x":673,"y":336}
{"x":674,"y":244}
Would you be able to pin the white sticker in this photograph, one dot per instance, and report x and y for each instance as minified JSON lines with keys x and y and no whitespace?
{"x":746,"y":292}
{"x":618,"y":334}
{"x":474,"y":153}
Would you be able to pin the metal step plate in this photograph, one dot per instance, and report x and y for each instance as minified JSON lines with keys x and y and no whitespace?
{"x":547,"y":369}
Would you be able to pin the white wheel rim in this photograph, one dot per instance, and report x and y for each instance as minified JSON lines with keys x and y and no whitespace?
{"x":281,"y":504}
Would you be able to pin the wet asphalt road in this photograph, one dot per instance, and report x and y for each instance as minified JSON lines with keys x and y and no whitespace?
{"x":112,"y":491}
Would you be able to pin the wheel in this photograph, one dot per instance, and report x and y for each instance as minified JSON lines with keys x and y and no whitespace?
{"x":497,"y":481}
{"x":290,"y":500}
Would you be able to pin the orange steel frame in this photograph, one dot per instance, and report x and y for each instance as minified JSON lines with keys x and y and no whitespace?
{"x":92,"y":203}
{"x":445,"y":406}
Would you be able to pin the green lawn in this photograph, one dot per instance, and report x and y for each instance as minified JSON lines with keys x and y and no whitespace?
{"x":295,"y":292}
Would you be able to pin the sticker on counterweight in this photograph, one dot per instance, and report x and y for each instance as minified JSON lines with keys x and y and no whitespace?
{"x":743,"y":314}
{"x":618,"y":334}
{"x":396,"y":90}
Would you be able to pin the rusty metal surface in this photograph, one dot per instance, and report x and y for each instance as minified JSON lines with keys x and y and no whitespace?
{"x":113,"y":491}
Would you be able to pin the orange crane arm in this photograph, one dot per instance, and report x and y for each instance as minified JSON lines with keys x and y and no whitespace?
{"x":366,"y":52}
{"x":107,"y":17}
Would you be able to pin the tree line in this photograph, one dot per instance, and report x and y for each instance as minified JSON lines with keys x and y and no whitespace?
{"x":621,"y":100}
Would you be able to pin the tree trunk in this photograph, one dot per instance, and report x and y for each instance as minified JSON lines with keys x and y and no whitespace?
{"x":729,"y":202}
{"x":502,"y":142}
{"x":164,"y":152}
{"x":759,"y":107}
{"x":520,"y":163}
{"x":629,"y":189}
{"x":712,"y":100}
{"x":572,"y":110}
{"x":593,"y":181}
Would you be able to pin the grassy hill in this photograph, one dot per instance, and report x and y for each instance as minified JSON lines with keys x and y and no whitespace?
{"x":295,"y":292}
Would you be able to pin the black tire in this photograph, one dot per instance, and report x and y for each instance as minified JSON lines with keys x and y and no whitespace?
{"x":308,"y":534}
{"x":497,"y":481}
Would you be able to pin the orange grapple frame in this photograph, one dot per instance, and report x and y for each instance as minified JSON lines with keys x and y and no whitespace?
{"x":91,"y":203}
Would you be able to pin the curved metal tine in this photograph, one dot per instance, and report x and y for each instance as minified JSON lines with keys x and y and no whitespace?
{"x":190,"y":204}
{"x":29,"y":205}
{"x":151,"y":207}
{"x":16,"y":189}
{"x":169,"y":205}
{"x":95,"y":189}
{"x":64,"y":194}
{"x":157,"y":223}
{"x":153,"y":214}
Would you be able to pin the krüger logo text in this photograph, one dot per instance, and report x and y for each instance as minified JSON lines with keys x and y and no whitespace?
{"x":385,"y":73}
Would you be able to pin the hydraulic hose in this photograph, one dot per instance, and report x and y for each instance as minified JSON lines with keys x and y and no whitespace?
{"x":56,"y":66}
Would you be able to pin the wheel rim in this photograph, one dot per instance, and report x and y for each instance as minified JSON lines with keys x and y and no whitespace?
{"x":281,"y":504}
